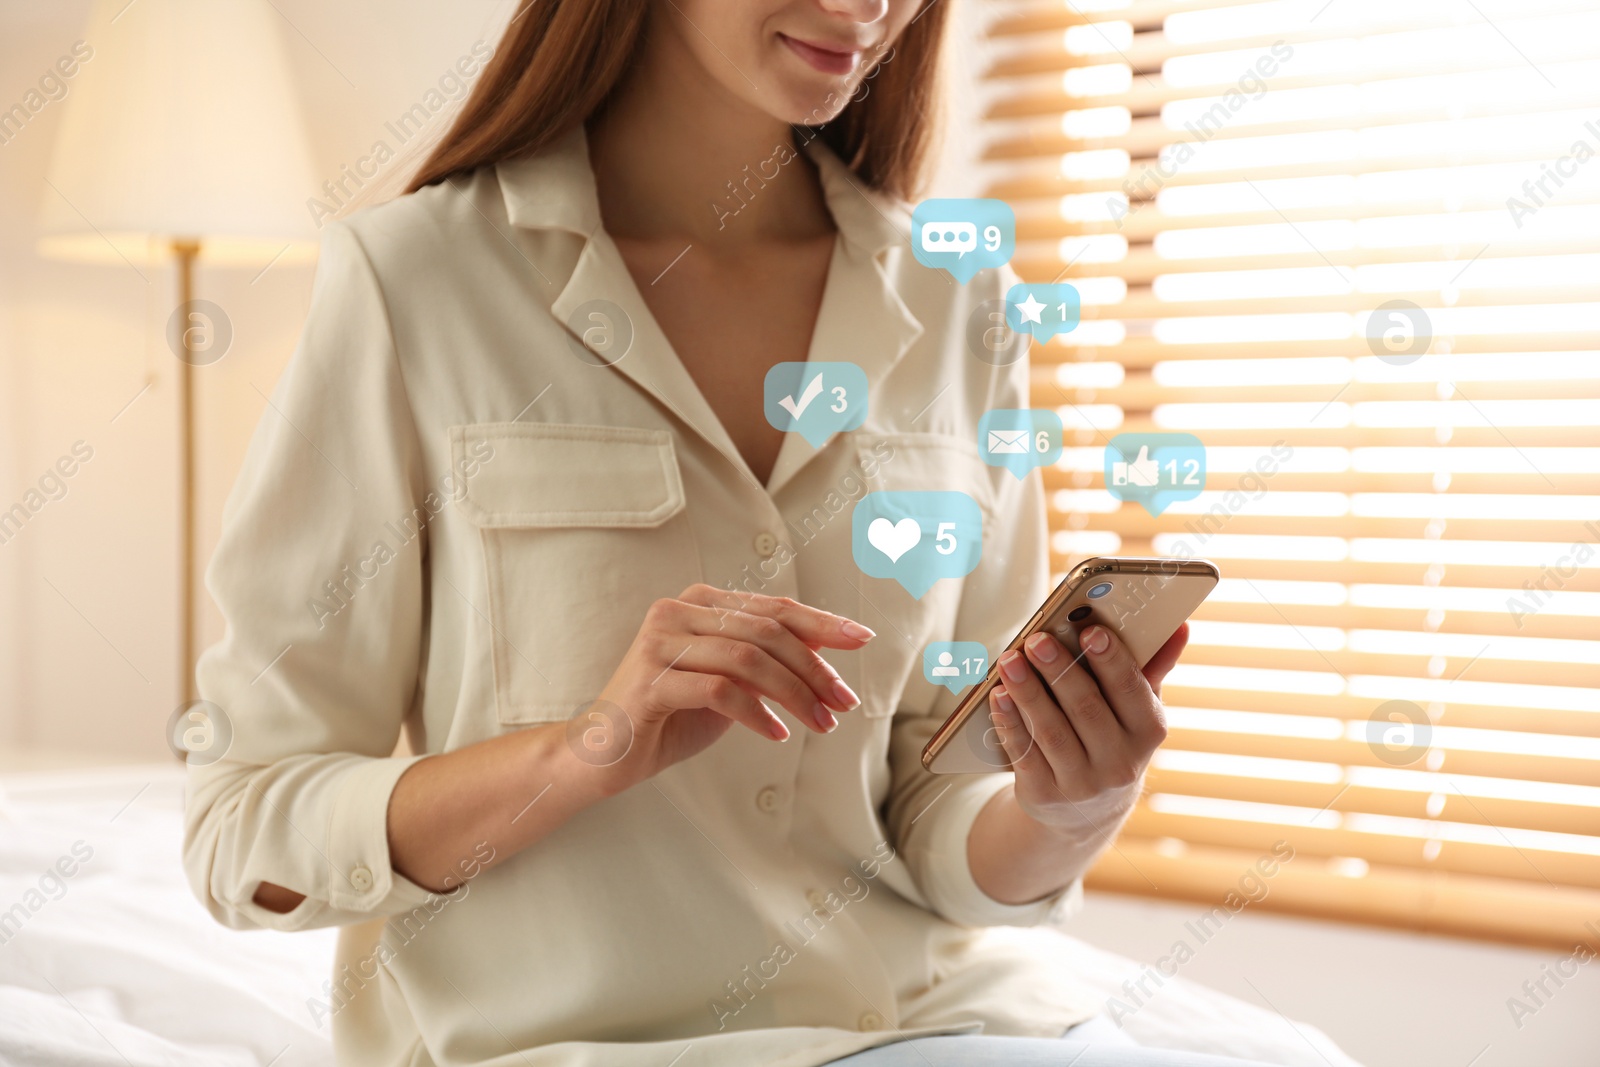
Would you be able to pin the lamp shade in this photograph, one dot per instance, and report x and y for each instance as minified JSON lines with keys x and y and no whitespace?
{"x":182,"y":124}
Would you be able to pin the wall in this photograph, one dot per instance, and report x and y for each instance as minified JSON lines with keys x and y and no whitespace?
{"x":88,"y":616}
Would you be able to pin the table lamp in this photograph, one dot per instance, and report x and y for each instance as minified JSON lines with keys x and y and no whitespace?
{"x":181,"y":141}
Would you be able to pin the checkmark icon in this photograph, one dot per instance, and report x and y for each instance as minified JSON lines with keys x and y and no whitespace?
{"x":814,"y":399}
{"x":809,"y":394}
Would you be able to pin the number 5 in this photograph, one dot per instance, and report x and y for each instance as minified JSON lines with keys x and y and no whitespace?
{"x":944,"y":541}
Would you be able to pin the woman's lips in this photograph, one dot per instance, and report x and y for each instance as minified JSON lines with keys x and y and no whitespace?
{"x":827,"y":60}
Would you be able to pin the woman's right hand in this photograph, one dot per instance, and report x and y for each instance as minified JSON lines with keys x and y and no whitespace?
{"x":699,"y":664}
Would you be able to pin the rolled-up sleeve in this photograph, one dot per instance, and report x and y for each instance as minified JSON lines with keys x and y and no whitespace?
{"x":319,"y":577}
{"x":931,"y":815}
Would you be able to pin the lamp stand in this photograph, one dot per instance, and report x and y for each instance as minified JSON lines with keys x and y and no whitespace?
{"x":186,"y":251}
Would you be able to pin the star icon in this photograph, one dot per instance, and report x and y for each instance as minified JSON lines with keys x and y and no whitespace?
{"x":1030,"y":309}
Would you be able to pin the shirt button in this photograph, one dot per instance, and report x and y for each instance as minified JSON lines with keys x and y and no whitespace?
{"x":870,"y":1021}
{"x":767,"y":799}
{"x":361,"y":879}
{"x":766,"y":544}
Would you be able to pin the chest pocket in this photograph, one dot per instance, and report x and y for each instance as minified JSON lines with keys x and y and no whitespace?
{"x":582,"y":527}
{"x":891,"y":666}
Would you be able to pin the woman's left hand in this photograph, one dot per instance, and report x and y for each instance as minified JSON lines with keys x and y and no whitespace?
{"x":1080,"y":741}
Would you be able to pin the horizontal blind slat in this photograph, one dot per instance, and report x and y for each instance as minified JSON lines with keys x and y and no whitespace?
{"x":1339,"y":795}
{"x":1343,"y":707}
{"x":1141,"y":352}
{"x":1485,"y":572}
{"x":1504,"y":860}
{"x":1557,"y":769}
{"x":1408,"y":898}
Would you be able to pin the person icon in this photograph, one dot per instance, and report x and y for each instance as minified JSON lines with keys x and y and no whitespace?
{"x":946,"y":668}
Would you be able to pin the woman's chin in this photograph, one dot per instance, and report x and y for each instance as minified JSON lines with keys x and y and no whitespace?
{"x":810,"y":107}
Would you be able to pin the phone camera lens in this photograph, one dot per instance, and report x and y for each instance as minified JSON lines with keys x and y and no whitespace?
{"x":1098,"y":591}
{"x":1079,"y":613}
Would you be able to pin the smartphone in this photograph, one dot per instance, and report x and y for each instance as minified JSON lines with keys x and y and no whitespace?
{"x":1142,"y":601}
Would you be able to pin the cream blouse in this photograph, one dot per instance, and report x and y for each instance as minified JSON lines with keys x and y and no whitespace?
{"x":451,"y":523}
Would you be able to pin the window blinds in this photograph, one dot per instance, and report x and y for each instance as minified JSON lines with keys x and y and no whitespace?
{"x":1354,"y":247}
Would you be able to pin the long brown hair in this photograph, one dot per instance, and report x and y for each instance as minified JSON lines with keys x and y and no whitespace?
{"x":560,"y":60}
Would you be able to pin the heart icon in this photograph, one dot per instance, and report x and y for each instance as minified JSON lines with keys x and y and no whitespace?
{"x":894,"y":539}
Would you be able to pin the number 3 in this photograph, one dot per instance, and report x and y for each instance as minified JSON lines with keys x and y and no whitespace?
{"x":840,"y":403}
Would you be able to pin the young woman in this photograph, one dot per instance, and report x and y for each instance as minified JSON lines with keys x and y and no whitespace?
{"x":516,"y":494}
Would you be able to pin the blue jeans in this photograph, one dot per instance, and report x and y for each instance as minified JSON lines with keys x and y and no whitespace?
{"x":1096,"y":1043}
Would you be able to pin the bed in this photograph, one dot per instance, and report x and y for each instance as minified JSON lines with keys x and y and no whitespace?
{"x":106,"y":958}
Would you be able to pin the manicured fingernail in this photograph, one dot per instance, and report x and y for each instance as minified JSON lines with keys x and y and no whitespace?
{"x":1003,"y":701}
{"x":856,"y":630}
{"x":1013,"y":666}
{"x":1096,"y":640}
{"x":777,"y":730}
{"x":824,"y":718}
{"x":843,"y":695}
{"x":1043,"y":648}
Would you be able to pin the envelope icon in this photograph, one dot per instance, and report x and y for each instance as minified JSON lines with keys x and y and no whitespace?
{"x":1008,"y":442}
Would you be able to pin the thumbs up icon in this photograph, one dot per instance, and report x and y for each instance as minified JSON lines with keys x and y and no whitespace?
{"x":1169,"y":467}
{"x":1143,"y":472}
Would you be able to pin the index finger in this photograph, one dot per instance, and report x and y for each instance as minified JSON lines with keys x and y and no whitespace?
{"x":1166,"y":658}
{"x":817,"y":628}
{"x":1122,"y":682}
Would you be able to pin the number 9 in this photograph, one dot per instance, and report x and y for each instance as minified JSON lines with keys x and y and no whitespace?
{"x":991,"y":238}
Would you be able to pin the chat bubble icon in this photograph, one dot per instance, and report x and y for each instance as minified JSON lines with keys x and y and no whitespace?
{"x":1155,"y":470}
{"x":1020,"y":439}
{"x":963,"y":236}
{"x":957,"y":237}
{"x":955,"y":664}
{"x":1042,"y":311}
{"x":916,"y":538}
{"x":815,"y":400}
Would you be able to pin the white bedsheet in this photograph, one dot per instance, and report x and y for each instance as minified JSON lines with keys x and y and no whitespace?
{"x":126,"y":967}
{"x":119,"y":965}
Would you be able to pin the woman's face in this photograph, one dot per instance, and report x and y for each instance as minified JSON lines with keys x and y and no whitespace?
{"x":797,"y":60}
